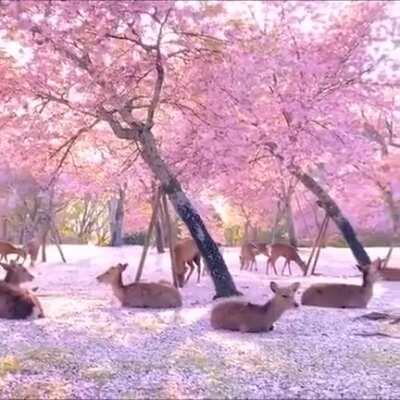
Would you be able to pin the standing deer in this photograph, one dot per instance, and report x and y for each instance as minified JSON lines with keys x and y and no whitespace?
{"x":247,"y":257}
{"x":240,"y":316}
{"x":286,"y":251}
{"x":7,"y":248}
{"x":389,"y":274}
{"x":16,"y":273}
{"x":186,"y":252}
{"x":339,"y":295}
{"x":141,"y":294}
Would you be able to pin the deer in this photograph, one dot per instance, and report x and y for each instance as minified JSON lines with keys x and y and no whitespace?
{"x":18,"y":303}
{"x":186,"y":252}
{"x":247,"y":257}
{"x":286,"y":251}
{"x":32,"y":250}
{"x":16,"y":273}
{"x":236,"y":315}
{"x":140,"y":294}
{"x":389,"y":274}
{"x":340,"y":295}
{"x":7,"y":248}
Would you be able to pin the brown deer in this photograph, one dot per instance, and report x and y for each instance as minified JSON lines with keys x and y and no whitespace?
{"x":286,"y":251}
{"x":240,"y":316}
{"x":186,"y":252}
{"x":32,"y":250}
{"x":339,"y":295}
{"x":18,"y":303}
{"x":141,"y":294}
{"x":16,"y":273}
{"x":389,"y":274}
{"x":7,"y":248}
{"x":247,"y":257}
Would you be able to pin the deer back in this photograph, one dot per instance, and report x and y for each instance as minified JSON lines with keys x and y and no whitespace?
{"x":152,"y":295}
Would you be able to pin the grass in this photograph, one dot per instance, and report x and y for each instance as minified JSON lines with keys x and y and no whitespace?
{"x":9,"y":365}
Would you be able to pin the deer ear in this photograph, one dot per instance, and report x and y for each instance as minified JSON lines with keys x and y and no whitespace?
{"x":295,"y":286}
{"x":273,"y":286}
{"x":124,"y":266}
{"x":5,"y":266}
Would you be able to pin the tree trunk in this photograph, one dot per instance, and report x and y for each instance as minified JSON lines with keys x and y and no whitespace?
{"x":222,"y":279}
{"x":290,"y":222}
{"x":44,"y":239}
{"x":246,"y":231}
{"x":332,"y":209}
{"x":4,"y":229}
{"x":276,"y":222}
{"x":117,"y":218}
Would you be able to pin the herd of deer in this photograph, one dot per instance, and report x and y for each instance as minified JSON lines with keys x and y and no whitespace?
{"x":236,"y":315}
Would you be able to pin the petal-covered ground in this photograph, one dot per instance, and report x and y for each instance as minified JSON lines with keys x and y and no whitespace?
{"x":89,"y":347}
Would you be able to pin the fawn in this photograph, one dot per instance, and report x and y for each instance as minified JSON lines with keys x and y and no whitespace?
{"x":236,"y":315}
{"x":340,"y":295}
{"x":141,"y":294}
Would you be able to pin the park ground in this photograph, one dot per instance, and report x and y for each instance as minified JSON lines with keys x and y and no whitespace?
{"x":88,"y":347}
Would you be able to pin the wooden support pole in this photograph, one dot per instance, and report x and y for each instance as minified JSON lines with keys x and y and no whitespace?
{"x":148,"y":236}
{"x":171,"y":238}
{"x":57,"y":241}
{"x":316,"y":245}
{"x":322,"y":238}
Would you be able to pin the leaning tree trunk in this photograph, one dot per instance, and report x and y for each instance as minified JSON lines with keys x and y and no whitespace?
{"x":334,"y":212}
{"x":290,"y":222}
{"x":222,"y":279}
{"x":117,"y":218}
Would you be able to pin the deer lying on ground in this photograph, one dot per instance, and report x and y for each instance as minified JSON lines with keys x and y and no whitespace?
{"x":247,"y":257}
{"x":286,"y":251}
{"x":16,"y":273}
{"x":389,"y":274}
{"x":16,"y":302}
{"x":340,"y":295}
{"x":141,"y":294}
{"x":7,"y":248}
{"x":236,"y":315}
{"x":32,"y":250}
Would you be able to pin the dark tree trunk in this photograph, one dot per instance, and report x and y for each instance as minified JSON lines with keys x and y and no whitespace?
{"x":219,"y":273}
{"x":222,"y":279}
{"x":332,"y":209}
{"x":117,"y":219}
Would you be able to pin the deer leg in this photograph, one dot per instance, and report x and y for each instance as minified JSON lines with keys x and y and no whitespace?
{"x":274,"y":267}
{"x":290,"y":271}
{"x":255,"y":264}
{"x":190,"y":272}
{"x":284,"y":266}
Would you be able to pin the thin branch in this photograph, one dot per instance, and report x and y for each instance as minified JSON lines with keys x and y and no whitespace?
{"x":160,"y":77}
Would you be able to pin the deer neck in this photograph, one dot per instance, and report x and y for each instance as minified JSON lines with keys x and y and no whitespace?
{"x":118,"y":287}
{"x":272,"y":310}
